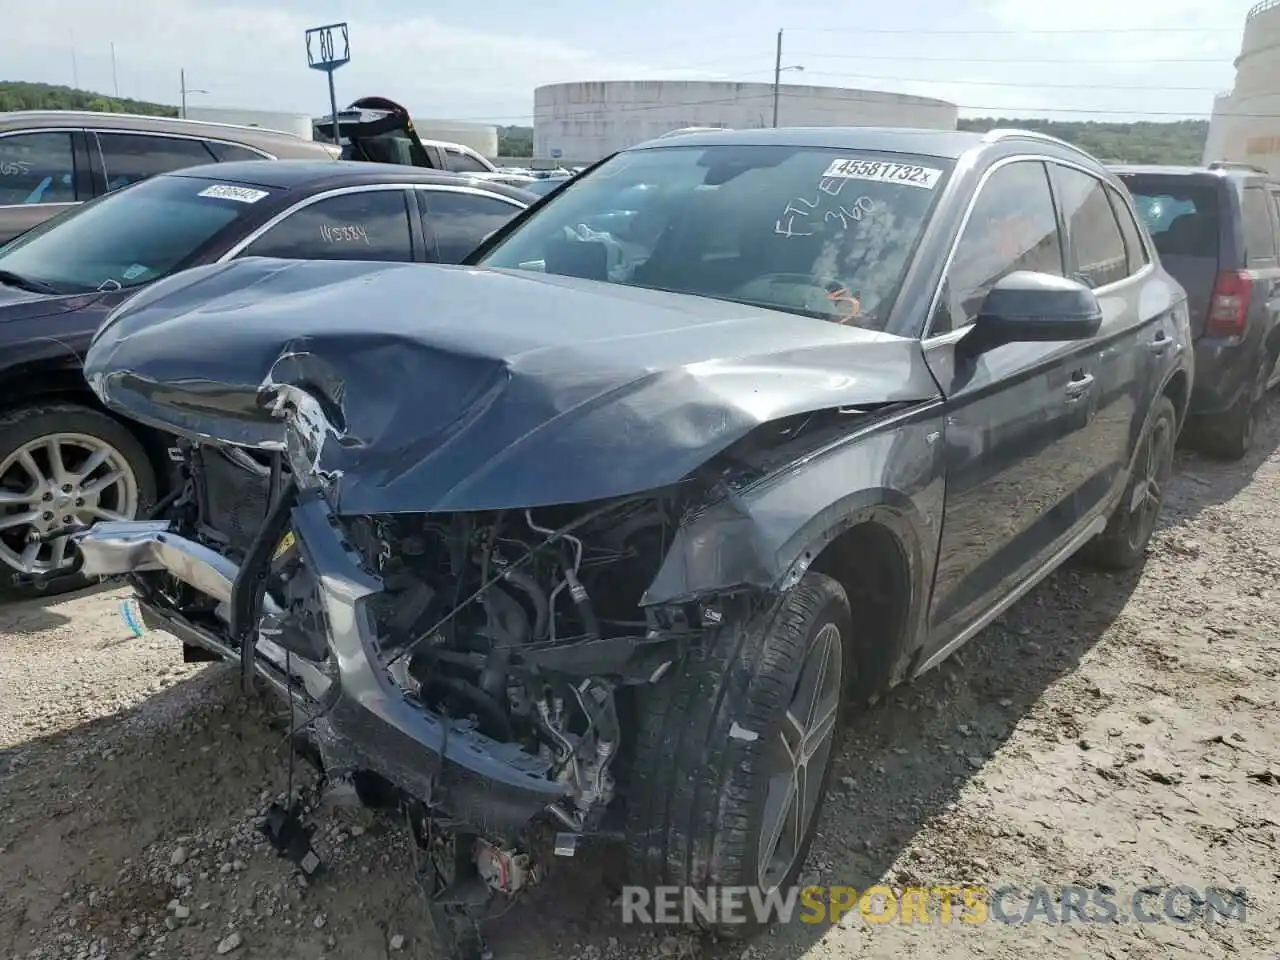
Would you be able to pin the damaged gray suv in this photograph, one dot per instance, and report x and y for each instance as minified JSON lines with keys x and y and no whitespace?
{"x":594,"y":536}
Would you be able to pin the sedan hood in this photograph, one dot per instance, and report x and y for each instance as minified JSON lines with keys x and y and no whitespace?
{"x":18,"y":304}
{"x":415,"y":388}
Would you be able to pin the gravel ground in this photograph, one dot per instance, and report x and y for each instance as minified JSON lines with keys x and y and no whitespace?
{"x":1108,"y":731}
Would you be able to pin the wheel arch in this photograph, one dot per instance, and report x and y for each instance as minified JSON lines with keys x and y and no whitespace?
{"x":877,"y":543}
{"x":55,"y":380}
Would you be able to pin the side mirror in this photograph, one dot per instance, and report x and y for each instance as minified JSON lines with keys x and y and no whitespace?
{"x":1028,"y":307}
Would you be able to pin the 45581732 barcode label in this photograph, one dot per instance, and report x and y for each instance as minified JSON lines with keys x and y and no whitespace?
{"x":885,"y":171}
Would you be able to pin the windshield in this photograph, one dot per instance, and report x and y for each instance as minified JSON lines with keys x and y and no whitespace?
{"x":815,"y":231}
{"x":129,"y":237}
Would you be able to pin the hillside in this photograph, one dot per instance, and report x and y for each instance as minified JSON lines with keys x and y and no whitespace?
{"x":1181,"y":142}
{"x":17,"y":95}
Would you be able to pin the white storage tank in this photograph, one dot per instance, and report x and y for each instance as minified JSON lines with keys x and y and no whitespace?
{"x":579,"y":123}
{"x":299,"y":124}
{"x":1246,"y":125}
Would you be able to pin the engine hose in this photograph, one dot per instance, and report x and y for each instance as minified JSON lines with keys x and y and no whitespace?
{"x":582,"y":600}
{"x":537,"y":596}
{"x":478,"y":698}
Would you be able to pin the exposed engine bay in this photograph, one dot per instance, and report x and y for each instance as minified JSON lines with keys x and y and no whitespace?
{"x":521,"y":626}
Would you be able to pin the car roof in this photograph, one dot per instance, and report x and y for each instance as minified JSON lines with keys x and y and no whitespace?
{"x":1173,"y":170}
{"x":295,"y":174}
{"x":945,"y":144}
{"x":92,"y":120}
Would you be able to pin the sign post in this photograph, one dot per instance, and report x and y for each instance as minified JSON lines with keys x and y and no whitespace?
{"x":328,"y":48}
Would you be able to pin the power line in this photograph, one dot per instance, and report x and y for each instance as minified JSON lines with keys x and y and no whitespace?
{"x":918,"y":31}
{"x":1018,"y":84}
{"x":800,"y":54}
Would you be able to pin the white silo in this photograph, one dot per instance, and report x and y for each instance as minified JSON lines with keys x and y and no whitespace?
{"x":1246,"y":125}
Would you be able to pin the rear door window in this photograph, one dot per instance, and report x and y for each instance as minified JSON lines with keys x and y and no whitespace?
{"x":1133,"y":245}
{"x":366,"y":225}
{"x":37,"y":168}
{"x":1095,"y":246}
{"x":1259,"y":232}
{"x":230,"y":152}
{"x":1181,"y":216}
{"x":130,"y":157}
{"x":460,"y":162}
{"x":459,"y":221}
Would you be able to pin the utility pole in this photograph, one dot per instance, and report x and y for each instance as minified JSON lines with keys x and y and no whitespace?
{"x":182,"y":80}
{"x":75,"y":69}
{"x":777,"y":78}
{"x":115,"y":80}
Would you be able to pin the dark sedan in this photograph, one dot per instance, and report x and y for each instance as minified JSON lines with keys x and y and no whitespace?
{"x":62,"y":457}
{"x":738,"y":430}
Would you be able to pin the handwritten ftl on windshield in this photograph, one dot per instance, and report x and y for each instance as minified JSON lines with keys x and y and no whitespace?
{"x":801,"y":208}
{"x":345,"y":233}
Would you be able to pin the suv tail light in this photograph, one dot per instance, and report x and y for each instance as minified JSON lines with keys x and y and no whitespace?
{"x":1229,"y":308}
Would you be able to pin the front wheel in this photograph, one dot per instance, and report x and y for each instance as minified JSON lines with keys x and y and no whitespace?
{"x":735,"y":747}
{"x":62,"y":465}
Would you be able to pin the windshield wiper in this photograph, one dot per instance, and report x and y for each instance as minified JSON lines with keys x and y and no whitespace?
{"x":12,"y":279}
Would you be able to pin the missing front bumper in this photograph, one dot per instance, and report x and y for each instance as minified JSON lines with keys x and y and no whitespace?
{"x":359,"y":718}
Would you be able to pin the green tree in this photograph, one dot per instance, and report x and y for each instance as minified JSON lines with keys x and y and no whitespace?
{"x":17,"y":95}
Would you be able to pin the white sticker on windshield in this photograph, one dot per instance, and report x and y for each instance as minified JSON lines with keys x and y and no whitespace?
{"x":885,"y":172}
{"x":134,"y":272}
{"x":223,"y":191}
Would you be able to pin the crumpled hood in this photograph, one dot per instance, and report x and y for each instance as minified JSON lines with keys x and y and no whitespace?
{"x":417,"y":388}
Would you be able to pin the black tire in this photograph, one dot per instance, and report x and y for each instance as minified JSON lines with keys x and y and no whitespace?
{"x":1231,"y":435}
{"x":1123,"y":544}
{"x":21,"y":426}
{"x":699,"y":779}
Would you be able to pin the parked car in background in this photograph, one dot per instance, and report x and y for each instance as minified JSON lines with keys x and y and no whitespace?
{"x":52,"y":159}
{"x":1216,"y":231}
{"x":379,"y":130}
{"x":62,"y":457}
{"x":546,"y":185}
{"x":742,"y":426}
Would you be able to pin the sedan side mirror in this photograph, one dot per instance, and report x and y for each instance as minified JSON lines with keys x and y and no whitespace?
{"x":1028,"y":307}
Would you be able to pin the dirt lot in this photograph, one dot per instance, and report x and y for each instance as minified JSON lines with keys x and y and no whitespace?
{"x":1108,"y":731}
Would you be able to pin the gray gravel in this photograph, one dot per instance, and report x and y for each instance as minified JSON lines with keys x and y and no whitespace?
{"x":1109,"y":730}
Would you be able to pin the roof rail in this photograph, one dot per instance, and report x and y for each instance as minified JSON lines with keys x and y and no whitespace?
{"x":1000,"y":133}
{"x":1237,"y":165}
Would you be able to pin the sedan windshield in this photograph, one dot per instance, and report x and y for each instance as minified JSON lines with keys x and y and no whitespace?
{"x":819,"y":232}
{"x":129,"y":237}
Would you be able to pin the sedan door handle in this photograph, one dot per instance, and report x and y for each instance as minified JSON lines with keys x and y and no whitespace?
{"x":1161,"y":343}
{"x":1079,"y":386}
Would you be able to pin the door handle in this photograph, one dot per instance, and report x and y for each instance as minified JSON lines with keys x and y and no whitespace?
{"x":1161,"y":343}
{"x":1079,"y":386}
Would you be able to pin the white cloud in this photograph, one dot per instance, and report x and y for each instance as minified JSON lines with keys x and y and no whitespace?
{"x":246,"y":55}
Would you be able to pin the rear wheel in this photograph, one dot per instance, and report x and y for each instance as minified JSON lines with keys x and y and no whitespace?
{"x":1123,"y":544}
{"x":735,"y":748}
{"x":62,"y":465}
{"x":1230,"y":436}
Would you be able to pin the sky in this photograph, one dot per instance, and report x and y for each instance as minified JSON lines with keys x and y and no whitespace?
{"x":1079,"y":60}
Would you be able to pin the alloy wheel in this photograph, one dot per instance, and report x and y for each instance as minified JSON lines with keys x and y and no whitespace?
{"x":1148,"y":489}
{"x":796,"y":763}
{"x":58,"y":481}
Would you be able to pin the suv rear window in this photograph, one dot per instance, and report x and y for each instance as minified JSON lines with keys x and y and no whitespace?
{"x":1181,"y":217}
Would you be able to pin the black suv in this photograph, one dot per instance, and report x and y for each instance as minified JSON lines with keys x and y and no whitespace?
{"x":1216,"y":231}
